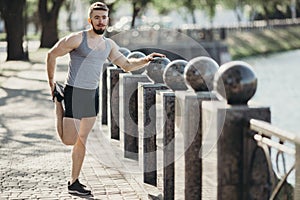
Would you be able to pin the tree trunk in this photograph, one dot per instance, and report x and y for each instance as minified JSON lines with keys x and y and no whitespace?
{"x":135,"y":13}
{"x":49,"y":22}
{"x":193,"y":16}
{"x":49,"y":33}
{"x":267,"y":14}
{"x":12,"y":12}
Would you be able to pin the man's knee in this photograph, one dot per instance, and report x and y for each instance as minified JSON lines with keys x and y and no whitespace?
{"x":82,"y":139}
{"x":69,"y":142}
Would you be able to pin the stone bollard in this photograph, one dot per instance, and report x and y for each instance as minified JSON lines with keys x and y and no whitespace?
{"x":234,"y":167}
{"x":147,"y":118}
{"x":165,"y":113}
{"x":103,"y":88}
{"x":174,"y":79}
{"x":199,"y":74}
{"x":137,"y":54}
{"x":113,"y":101}
{"x":105,"y":93}
{"x":124,"y":51}
{"x":129,"y":112}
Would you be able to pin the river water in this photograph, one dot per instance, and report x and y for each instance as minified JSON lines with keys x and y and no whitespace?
{"x":278,"y":87}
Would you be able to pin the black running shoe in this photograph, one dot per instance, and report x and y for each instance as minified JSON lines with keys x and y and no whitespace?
{"x":78,"y":189}
{"x":58,"y":92}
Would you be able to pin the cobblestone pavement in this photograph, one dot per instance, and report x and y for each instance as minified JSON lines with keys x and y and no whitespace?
{"x":34,"y":163}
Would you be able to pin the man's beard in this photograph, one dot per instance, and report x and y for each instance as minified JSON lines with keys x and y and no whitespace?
{"x":98,"y":32}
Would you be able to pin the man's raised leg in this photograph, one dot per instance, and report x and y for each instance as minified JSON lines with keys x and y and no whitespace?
{"x":67,"y":128}
{"x":59,"y":111}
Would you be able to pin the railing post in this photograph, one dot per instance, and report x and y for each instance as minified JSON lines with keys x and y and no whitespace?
{"x":147,"y":119}
{"x":199,"y":73}
{"x":103,"y":98}
{"x":191,"y":129}
{"x":234,"y":167}
{"x":129,"y":113}
{"x":128,"y":93}
{"x":165,"y":109}
{"x":105,"y":102}
{"x":113,"y":101}
{"x":147,"y":130}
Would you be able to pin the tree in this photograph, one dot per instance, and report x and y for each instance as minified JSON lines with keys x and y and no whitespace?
{"x":32,"y":15}
{"x":12,"y":13}
{"x":48,"y":12}
{"x":138,"y":6}
{"x":236,"y":5}
{"x":191,"y":5}
{"x":164,"y":7}
{"x":210,"y":7}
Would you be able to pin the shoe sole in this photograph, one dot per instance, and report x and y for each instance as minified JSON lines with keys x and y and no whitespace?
{"x":79,"y":193}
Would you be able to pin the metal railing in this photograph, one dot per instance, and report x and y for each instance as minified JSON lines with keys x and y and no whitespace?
{"x":265,"y":134}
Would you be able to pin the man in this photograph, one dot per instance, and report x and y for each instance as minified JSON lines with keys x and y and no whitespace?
{"x":88,"y":51}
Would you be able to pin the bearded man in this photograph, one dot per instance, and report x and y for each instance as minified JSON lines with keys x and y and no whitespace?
{"x":88,"y":50}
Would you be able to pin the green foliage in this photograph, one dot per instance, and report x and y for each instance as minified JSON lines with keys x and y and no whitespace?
{"x":210,"y":7}
{"x":259,"y":42}
{"x":164,"y":7}
{"x":266,"y":9}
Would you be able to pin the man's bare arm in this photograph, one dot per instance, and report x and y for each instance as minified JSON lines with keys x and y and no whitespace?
{"x":61,"y":48}
{"x":131,"y":64}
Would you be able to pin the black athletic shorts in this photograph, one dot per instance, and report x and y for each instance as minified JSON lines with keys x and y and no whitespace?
{"x":81,"y":103}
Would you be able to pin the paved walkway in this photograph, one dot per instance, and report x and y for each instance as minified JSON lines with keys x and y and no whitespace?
{"x":34,"y":163}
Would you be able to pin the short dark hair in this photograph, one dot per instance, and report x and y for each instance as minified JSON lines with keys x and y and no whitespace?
{"x":98,"y":6}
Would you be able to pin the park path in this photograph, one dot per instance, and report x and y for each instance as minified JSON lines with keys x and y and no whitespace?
{"x":34,"y":164}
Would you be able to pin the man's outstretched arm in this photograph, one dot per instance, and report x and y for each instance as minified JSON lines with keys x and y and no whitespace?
{"x":131,"y":64}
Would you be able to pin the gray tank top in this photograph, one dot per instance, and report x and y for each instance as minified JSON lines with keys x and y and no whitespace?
{"x":86,"y":64}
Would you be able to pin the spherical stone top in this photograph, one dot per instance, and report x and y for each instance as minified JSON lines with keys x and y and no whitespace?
{"x":137,"y":54}
{"x":173,"y":75}
{"x":199,"y":73}
{"x":236,"y":82}
{"x":124,"y":51}
{"x":155,"y":69}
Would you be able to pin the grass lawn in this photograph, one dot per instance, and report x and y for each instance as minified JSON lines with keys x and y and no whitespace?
{"x":246,"y":43}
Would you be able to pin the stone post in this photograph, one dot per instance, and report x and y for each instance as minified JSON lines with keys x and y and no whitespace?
{"x":229,"y":168}
{"x":103,"y":97}
{"x":129,"y":113}
{"x":165,"y":109}
{"x":189,"y":108}
{"x":147,"y":130}
{"x":234,"y":166}
{"x":113,"y":101}
{"x":198,"y":75}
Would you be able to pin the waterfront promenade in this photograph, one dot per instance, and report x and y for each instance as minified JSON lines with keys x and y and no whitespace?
{"x":34,"y":163}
